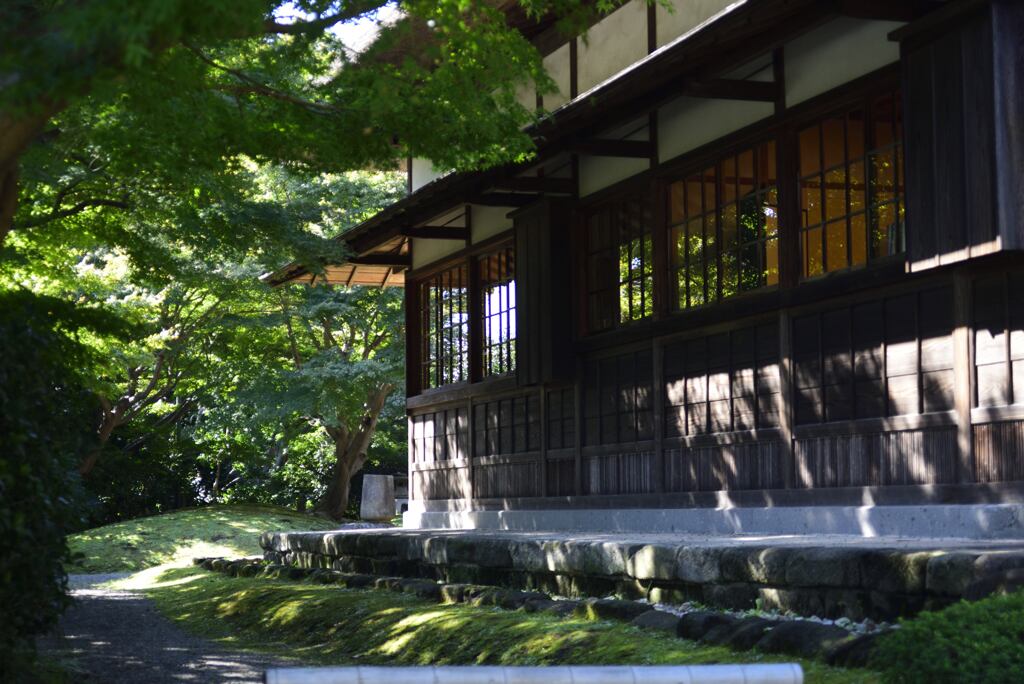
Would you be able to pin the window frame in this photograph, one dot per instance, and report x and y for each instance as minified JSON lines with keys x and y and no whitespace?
{"x":417,"y":331}
{"x":635,"y":192}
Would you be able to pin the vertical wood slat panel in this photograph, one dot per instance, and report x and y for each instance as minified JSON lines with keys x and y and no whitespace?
{"x":621,"y":473}
{"x":756,"y":465}
{"x":907,"y":457}
{"x":999,"y":452}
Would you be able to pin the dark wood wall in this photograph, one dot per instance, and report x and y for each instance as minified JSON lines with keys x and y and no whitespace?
{"x":901,"y":374}
{"x":872,"y":402}
{"x":964,"y":98}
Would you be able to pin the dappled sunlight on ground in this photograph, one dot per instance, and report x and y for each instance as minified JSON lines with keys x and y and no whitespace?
{"x":182,"y":535}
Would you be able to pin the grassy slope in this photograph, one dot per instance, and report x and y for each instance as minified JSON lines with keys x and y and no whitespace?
{"x":209,"y":531}
{"x":330,"y":625}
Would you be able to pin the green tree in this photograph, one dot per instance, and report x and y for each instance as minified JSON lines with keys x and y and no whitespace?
{"x":109,"y":106}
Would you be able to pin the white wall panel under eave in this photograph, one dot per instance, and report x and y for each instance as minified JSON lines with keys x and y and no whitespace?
{"x":423,"y":172}
{"x":685,"y":15}
{"x":557,"y":66}
{"x":426,"y":252}
{"x":613,"y":44}
{"x":489,"y":221}
{"x":836,"y":53}
{"x":597,"y":173}
{"x":686,"y":123}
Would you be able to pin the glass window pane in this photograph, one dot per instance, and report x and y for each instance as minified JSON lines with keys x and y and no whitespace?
{"x":833,"y":142}
{"x":729,"y":180}
{"x":855,"y":134}
{"x":835,"y":193}
{"x":858,"y":240}
{"x":810,"y":151}
{"x":835,"y":245}
{"x":811,"y":249}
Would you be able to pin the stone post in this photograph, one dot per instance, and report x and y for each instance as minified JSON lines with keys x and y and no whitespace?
{"x":378,"y":503}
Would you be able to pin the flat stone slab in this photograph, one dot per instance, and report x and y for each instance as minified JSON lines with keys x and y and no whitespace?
{"x":809,"y":574}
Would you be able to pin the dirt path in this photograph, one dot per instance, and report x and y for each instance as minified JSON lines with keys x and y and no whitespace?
{"x":119,"y":636}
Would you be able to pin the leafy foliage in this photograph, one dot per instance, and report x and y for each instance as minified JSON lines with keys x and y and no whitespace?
{"x":44,"y":420}
{"x":967,"y":642}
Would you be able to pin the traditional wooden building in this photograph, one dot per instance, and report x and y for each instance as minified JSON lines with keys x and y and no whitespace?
{"x":768,"y":254}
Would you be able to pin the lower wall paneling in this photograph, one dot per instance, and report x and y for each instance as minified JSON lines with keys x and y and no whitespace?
{"x":514,"y":479}
{"x":999,"y":451}
{"x":908,"y":457}
{"x":752,"y":465}
{"x":561,"y":476}
{"x":440,"y":483}
{"x":621,"y":473}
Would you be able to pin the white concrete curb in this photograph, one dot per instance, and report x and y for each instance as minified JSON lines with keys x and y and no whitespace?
{"x":775,"y":673}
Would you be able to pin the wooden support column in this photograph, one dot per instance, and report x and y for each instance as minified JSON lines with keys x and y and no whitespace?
{"x":543,"y":465}
{"x":963,"y":373}
{"x":658,"y":406}
{"x":786,"y":445}
{"x":470,"y":422}
{"x":577,"y":402}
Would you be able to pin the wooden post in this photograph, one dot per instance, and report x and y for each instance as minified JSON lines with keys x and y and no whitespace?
{"x":471,"y":423}
{"x":963,"y":373}
{"x":786,"y":446}
{"x":658,"y":406}
{"x":578,"y":424}
{"x":543,"y":467}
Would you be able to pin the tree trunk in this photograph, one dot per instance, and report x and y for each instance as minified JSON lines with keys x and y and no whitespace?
{"x":110,"y":420}
{"x":335,"y":499}
{"x":16,"y":135}
{"x":350,"y":454}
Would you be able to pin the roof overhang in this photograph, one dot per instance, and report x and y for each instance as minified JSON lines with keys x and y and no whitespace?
{"x":691,"y":64}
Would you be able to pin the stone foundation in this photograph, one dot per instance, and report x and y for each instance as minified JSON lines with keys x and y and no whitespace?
{"x":831,"y":578}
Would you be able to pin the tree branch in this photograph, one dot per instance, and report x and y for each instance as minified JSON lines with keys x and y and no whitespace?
{"x":357,"y":9}
{"x":56,"y":215}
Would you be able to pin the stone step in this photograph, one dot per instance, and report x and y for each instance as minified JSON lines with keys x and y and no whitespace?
{"x":813,"y":575}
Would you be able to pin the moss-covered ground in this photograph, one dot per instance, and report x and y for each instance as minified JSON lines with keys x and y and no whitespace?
{"x":330,"y":625}
{"x":230,"y":530}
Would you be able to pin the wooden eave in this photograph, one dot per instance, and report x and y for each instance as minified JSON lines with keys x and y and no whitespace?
{"x":737,"y":34}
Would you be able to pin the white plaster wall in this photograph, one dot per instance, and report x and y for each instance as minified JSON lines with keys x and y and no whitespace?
{"x":526,"y":95}
{"x":835,"y":53}
{"x":423,"y":172}
{"x":613,"y":44}
{"x":686,"y":123}
{"x":687,"y":15}
{"x":425,"y":252}
{"x":600,"y":172}
{"x":557,"y":66}
{"x":489,"y":221}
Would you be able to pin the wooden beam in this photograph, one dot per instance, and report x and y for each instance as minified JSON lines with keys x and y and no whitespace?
{"x":882,"y":10}
{"x":437,"y":232}
{"x":539,"y":184}
{"x":597,"y":147}
{"x":733,"y":89}
{"x":502,"y":199}
{"x":392,"y":260}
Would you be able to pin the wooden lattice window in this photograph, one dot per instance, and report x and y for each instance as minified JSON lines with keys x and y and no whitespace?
{"x":620,"y":280}
{"x":851,"y":187}
{"x":507,"y":426}
{"x":887,"y":357}
{"x":561,"y":418}
{"x":999,"y":340}
{"x":617,"y":401}
{"x":498,"y":308}
{"x":723,"y":383}
{"x":724,"y":228}
{"x":444,"y":308}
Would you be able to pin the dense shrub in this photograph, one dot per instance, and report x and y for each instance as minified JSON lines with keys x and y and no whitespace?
{"x":44,"y":411}
{"x":967,"y":642}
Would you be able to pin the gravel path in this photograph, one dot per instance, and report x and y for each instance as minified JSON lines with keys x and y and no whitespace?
{"x":119,"y":636}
